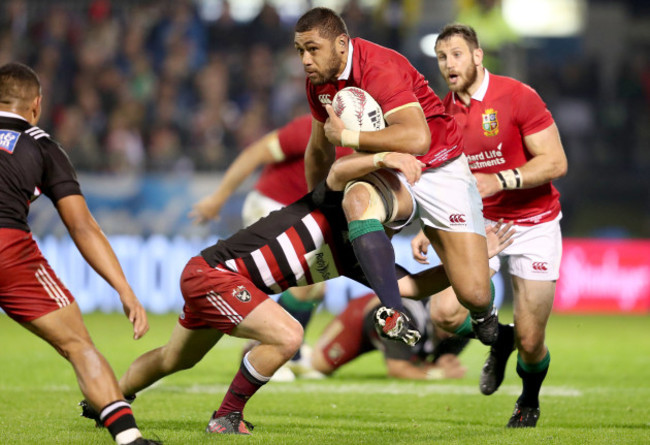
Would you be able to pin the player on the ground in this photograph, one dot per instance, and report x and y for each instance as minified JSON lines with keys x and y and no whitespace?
{"x":353,"y":333}
{"x":226,"y":287}
{"x":282,"y":181}
{"x":515,"y":151}
{"x":416,"y":124}
{"x":31,"y":164}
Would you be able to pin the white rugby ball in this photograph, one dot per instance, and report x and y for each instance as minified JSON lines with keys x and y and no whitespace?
{"x":358,"y":110}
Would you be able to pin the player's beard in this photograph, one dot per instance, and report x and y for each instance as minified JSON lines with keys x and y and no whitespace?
{"x":467,"y":79}
{"x":330,"y":71}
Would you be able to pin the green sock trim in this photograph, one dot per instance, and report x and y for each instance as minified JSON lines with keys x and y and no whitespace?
{"x":464,"y":329}
{"x":293,"y":304}
{"x":363,"y":226}
{"x":535,"y":367}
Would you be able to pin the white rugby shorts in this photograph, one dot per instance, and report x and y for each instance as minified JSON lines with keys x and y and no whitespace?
{"x":448,"y":198}
{"x":535,"y":253}
{"x":257,"y":206}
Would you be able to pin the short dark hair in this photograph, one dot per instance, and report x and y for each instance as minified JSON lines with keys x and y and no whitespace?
{"x":458,"y":29}
{"x":18,"y":82}
{"x":329,"y":24}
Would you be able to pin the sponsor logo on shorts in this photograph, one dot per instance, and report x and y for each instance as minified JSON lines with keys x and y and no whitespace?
{"x":325,"y":99}
{"x":241,"y":294}
{"x":457,"y":219}
{"x":540,"y":266}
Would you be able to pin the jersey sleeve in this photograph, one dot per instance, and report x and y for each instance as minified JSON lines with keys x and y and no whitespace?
{"x":390,"y":88}
{"x":59,"y":178}
{"x":531,"y":114}
{"x":294,"y":137}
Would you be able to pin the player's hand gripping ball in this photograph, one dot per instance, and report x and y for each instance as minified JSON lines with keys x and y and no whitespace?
{"x":358,"y":110}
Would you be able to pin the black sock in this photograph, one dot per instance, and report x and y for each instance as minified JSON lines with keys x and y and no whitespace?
{"x":532,"y":377}
{"x":376,"y":257}
{"x":117,"y":417}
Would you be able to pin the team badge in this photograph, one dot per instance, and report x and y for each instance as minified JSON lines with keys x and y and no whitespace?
{"x":490,"y":122}
{"x":241,"y":294}
{"x":8,"y":140}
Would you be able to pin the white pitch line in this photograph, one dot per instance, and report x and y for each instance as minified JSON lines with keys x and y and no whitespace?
{"x":374,"y":388}
{"x":402,"y":388}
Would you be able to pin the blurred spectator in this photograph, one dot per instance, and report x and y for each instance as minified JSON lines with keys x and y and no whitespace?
{"x":120,"y":75}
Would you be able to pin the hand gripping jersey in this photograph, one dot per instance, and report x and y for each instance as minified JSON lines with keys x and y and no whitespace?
{"x":501,"y":113}
{"x":394,"y":83}
{"x":31,"y":164}
{"x":303,"y":243}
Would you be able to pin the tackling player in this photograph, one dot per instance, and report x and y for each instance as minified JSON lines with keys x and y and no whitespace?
{"x":416,"y":124}
{"x":515,"y":151}
{"x":282,"y":181}
{"x":32,"y":164}
{"x":226,"y":287}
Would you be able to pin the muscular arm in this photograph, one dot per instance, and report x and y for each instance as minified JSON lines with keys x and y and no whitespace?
{"x":548,"y":163}
{"x":319,"y":155}
{"x":261,"y":152}
{"x":407,"y":132}
{"x":549,"y":160}
{"x":357,"y":165}
{"x":96,"y":250}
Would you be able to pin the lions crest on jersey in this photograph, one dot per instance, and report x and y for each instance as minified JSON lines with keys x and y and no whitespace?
{"x":8,"y":140}
{"x":490,"y":122}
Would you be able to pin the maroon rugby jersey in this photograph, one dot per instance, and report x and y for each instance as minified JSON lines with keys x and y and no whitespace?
{"x":391,"y":79}
{"x":303,"y":243}
{"x":501,"y":113}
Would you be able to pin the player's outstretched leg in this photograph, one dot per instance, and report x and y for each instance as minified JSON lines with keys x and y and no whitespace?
{"x":494,"y":368}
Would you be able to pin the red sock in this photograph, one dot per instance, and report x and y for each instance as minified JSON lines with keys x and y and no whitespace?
{"x":242,"y":388}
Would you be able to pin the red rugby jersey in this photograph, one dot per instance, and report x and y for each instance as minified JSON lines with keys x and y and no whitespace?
{"x":391,"y":79}
{"x":285,"y":181}
{"x":500,"y":114}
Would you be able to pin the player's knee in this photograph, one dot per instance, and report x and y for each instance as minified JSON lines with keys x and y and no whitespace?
{"x":290,"y":339}
{"x":355,"y":201}
{"x":530,"y":345}
{"x":75,"y":346}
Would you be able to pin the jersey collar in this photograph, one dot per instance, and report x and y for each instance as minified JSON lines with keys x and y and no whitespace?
{"x":348,"y":66}
{"x":479,"y":95}
{"x":12,"y":115}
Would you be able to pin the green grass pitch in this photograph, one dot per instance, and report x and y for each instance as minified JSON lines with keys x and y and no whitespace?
{"x":597,"y":392}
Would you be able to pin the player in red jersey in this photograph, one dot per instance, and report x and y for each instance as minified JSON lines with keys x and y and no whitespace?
{"x":226,"y":287}
{"x":515,"y":151}
{"x":282,"y":181}
{"x":32,"y":164}
{"x":352,"y":333}
{"x":417,"y":124}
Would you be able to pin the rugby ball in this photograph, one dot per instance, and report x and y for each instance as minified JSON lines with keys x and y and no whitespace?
{"x":358,"y":110}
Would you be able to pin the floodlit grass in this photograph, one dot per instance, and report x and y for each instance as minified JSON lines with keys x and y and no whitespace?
{"x":596,"y":392}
